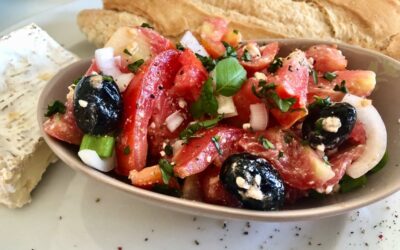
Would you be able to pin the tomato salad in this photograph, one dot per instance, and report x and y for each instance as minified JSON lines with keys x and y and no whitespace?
{"x":223,"y":121}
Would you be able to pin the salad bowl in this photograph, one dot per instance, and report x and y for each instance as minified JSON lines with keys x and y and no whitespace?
{"x":379,"y":185}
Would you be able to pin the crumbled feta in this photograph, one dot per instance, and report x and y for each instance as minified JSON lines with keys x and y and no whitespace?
{"x":257,"y":179}
{"x":209,"y":158}
{"x":152,"y":125}
{"x":253,"y":50}
{"x":96,"y":81}
{"x":83,"y":103}
{"x":254,"y":192}
{"x":182,"y":103}
{"x":321,"y":147}
{"x":162,"y":153}
{"x":331,"y":124}
{"x":260,"y":76}
{"x":246,"y":126}
{"x":242,"y":183}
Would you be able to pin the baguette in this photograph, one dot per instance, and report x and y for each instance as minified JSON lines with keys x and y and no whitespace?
{"x":370,"y":24}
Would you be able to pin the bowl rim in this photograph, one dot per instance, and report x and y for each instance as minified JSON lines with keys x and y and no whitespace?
{"x":202,"y":208}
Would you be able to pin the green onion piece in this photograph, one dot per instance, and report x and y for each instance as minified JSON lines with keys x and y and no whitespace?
{"x":134,"y":67}
{"x":167,"y":170}
{"x":348,"y":184}
{"x":380,"y":165}
{"x":103,"y":145}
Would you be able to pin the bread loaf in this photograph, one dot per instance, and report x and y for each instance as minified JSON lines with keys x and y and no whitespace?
{"x":370,"y":24}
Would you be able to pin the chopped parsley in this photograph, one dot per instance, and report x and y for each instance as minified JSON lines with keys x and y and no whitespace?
{"x":341,"y":87}
{"x":267,"y":90}
{"x":207,"y":62}
{"x":126,"y":51}
{"x":320,"y":102}
{"x":127,"y":150}
{"x":265,"y":142}
{"x":284,"y":104}
{"x":179,"y":46}
{"x":280,"y":154}
{"x":75,"y":82}
{"x":207,"y":103}
{"x":314,"y":76}
{"x":168,"y":149}
{"x":190,"y":131}
{"x":167,"y":170}
{"x":229,"y":51}
{"x":236,"y":32}
{"x":215,"y":140}
{"x":330,"y":76}
{"x":275,"y":65}
{"x":133,"y":67}
{"x":246,"y":56}
{"x":56,"y":107}
{"x":146,"y":25}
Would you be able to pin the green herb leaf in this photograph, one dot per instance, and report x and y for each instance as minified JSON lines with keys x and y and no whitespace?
{"x":236,"y":32}
{"x":264,"y":88}
{"x":146,"y":25}
{"x":167,"y":170}
{"x":230,"y":76}
{"x":265,"y":142}
{"x":167,"y":190}
{"x":348,"y":184}
{"x":381,"y":164}
{"x":215,"y":140}
{"x":168,"y":149}
{"x":190,"y":131}
{"x":133,"y":67}
{"x":275,"y":65}
{"x":341,"y":88}
{"x":229,"y":51}
{"x":207,"y":62}
{"x":207,"y":102}
{"x":56,"y":107}
{"x":330,"y":76}
{"x":246,"y":56}
{"x":75,"y":82}
{"x":127,"y":150}
{"x":320,"y":102}
{"x":126,"y":51}
{"x":284,"y":104}
{"x":179,"y":46}
{"x":314,"y":76}
{"x":280,"y":154}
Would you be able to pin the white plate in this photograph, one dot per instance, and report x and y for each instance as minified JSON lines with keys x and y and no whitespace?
{"x":65,"y":215}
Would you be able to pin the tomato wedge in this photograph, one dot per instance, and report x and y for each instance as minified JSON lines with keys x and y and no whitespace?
{"x":211,"y":34}
{"x":157,"y":42}
{"x":190,"y":78}
{"x":139,"y":101}
{"x":260,"y":57}
{"x":201,"y":151}
{"x":326,"y":58}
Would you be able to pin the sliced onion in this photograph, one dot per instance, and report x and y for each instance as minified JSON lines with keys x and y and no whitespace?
{"x":177,"y":146}
{"x":174,"y":120}
{"x":258,"y":117}
{"x":106,"y":62}
{"x":123,"y":80}
{"x":376,"y":134}
{"x":226,"y":106}
{"x":189,"y":41}
{"x":92,"y":159}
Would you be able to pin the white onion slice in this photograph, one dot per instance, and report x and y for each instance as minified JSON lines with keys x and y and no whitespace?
{"x":226,"y":106}
{"x":189,"y":41}
{"x":376,"y":136}
{"x":258,"y":117}
{"x":123,"y":81}
{"x":106,"y":62}
{"x":174,"y":120}
{"x":92,"y":159}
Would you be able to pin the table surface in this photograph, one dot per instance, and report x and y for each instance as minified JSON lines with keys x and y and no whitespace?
{"x":71,"y":211}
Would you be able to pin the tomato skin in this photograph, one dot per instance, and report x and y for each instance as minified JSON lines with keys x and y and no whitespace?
{"x":232,"y":37}
{"x":211,"y":34}
{"x":157,"y":42}
{"x":326,"y":58}
{"x":268,"y":53}
{"x":192,"y":158}
{"x":242,"y":100}
{"x":213,"y":191}
{"x":335,"y":96}
{"x":139,"y":102}
{"x":190,"y":78}
{"x":358,"y":135}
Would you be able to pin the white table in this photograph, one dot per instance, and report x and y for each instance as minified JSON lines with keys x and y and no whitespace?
{"x":70,"y":211}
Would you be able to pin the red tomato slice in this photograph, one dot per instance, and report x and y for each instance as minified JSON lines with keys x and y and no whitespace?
{"x":139,"y":101}
{"x":192,"y":189}
{"x":63,"y":126}
{"x":335,"y":96}
{"x":200,"y":152}
{"x":357,"y":82}
{"x":211,"y":33}
{"x":157,"y":42}
{"x":258,"y":63}
{"x":213,"y":190}
{"x":243,"y":99}
{"x":327,"y":58}
{"x":232,"y":37}
{"x":299,"y":166}
{"x":292,"y":82}
{"x":190,"y":78}
{"x":92,"y":68}
{"x":358,"y":135}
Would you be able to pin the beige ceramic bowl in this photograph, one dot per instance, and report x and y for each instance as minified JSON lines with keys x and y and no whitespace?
{"x":386,"y":99}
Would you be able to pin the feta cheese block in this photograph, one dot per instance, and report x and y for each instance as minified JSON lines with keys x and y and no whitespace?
{"x":29,"y":58}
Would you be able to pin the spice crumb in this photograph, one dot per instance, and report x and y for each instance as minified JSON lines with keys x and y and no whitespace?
{"x":97,"y":200}
{"x":196,"y":242}
{"x":146,"y":239}
{"x":194,"y":218}
{"x":245,"y":233}
{"x":60,"y":217}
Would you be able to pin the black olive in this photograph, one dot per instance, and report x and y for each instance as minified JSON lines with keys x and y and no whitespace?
{"x":243,"y":173}
{"x":97,"y":105}
{"x":314,"y":132}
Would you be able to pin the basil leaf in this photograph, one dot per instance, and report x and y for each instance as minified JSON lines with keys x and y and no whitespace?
{"x":207,"y":102}
{"x":133,"y":67}
{"x":167,"y":170}
{"x":189,"y":132}
{"x":56,"y":107}
{"x":230,"y":76}
{"x":283,"y":104}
